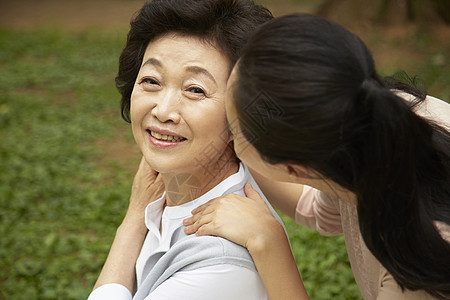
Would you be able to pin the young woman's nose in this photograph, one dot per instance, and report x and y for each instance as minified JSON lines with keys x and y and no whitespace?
{"x":167,"y":107}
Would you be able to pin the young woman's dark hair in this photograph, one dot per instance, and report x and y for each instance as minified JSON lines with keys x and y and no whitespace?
{"x":226,"y":24}
{"x":307,"y":93}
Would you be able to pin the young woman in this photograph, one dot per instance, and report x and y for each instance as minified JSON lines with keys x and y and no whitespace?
{"x":172,"y":75}
{"x":306,"y":106}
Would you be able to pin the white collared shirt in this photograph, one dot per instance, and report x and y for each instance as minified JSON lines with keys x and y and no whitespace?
{"x":219,"y":282}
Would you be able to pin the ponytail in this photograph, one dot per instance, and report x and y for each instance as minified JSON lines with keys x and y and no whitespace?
{"x":400,"y":190}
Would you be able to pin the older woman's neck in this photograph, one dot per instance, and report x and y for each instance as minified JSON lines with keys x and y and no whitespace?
{"x":184,"y":187}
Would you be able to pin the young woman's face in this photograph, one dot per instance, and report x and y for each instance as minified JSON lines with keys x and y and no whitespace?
{"x":178,"y":105}
{"x":243,"y":149}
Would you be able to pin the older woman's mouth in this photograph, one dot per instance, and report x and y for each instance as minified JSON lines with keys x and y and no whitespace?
{"x":166,"y":137}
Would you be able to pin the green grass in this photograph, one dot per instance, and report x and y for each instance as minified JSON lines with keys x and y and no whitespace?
{"x":57,"y":213}
{"x":60,"y":201}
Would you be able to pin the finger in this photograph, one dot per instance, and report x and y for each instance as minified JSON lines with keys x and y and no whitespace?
{"x":200,"y":208}
{"x":158,"y":182}
{"x":188,"y":221}
{"x":208,"y":207}
{"x":142,"y":163}
{"x":195,"y":217}
{"x":146,"y":169}
{"x":206,"y":229}
{"x":251,"y":192}
{"x":198,"y":223}
{"x":144,"y":166}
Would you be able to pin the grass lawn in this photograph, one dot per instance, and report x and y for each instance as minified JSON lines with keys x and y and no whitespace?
{"x":67,"y":161}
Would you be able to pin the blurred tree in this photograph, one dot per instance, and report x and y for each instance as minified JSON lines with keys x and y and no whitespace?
{"x":443,"y":9}
{"x":409,"y":5}
{"x":412,"y":9}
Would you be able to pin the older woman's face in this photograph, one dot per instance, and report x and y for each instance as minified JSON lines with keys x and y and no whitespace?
{"x":178,"y":104}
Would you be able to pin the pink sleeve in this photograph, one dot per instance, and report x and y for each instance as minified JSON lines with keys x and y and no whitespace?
{"x":390,"y":290}
{"x":319,"y":211}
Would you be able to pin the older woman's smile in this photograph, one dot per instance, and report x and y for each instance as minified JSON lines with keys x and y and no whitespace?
{"x":164,"y":138}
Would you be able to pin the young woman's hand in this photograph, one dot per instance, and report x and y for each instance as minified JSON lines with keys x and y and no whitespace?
{"x":250,"y":223}
{"x":244,"y":221}
{"x":147,"y":187}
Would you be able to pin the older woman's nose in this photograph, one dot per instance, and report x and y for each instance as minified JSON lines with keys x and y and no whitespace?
{"x":167,"y":108}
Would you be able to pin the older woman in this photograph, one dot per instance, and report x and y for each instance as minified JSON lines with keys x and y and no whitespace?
{"x":173,"y":74}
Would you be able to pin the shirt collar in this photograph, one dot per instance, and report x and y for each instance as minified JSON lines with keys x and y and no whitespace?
{"x":155,"y":209}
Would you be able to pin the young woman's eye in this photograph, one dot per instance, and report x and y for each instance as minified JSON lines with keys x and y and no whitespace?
{"x":196,"y":90}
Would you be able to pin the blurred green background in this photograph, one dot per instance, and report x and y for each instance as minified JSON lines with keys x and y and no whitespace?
{"x":67,"y":159}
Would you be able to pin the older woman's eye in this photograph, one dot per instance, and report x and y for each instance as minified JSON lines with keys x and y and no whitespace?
{"x":196,"y":90}
{"x":148,"y":81}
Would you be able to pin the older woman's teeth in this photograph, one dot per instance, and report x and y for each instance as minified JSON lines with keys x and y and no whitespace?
{"x":164,"y":137}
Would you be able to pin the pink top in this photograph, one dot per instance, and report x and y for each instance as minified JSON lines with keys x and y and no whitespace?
{"x":331,"y":216}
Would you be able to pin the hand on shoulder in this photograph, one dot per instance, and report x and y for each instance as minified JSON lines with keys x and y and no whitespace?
{"x":246,"y":221}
